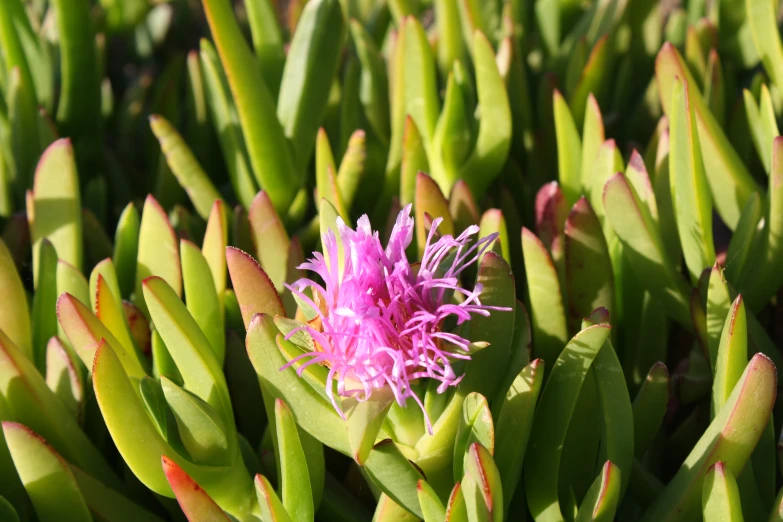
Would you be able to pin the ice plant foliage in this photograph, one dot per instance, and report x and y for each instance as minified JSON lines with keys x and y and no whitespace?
{"x":380,"y":319}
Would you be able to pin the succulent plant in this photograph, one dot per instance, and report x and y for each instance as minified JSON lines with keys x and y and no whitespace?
{"x":346,"y":260}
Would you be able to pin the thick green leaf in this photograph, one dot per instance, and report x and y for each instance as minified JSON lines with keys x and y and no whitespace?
{"x":226,"y":124}
{"x":730,"y":438}
{"x":269,"y":238}
{"x":553,"y":415}
{"x":482,"y":484}
{"x":185,"y":166}
{"x":514,"y":425}
{"x":588,"y":268}
{"x":271,"y":507}
{"x":202,"y":298}
{"x":419,"y":81}
{"x":268,"y":150}
{"x":593,"y":79}
{"x":430,"y":204}
{"x":644,"y":248}
{"x":690,"y":195}
{"x":397,"y":110}
{"x":108,"y":504}
{"x":197,"y":130}
{"x":126,"y":247}
{"x":151,"y":393}
{"x":548,"y":20}
{"x":519,"y":357}
{"x":431,"y":506}
{"x":326,"y":174}
{"x":200,"y":428}
{"x":313,"y":413}
{"x":64,"y":377}
{"x":593,"y":137}
{"x":551,"y":213}
{"x":56,"y":213}
{"x":732,"y":355}
{"x":364,"y":420}
{"x":648,"y":344}
{"x":20,"y":93}
{"x":755,"y":127}
{"x":139,"y":327}
{"x":761,"y":17}
{"x":30,"y":402}
{"x":196,"y":504}
{"x":582,"y":445}
{"x":14,"y":501}
{"x":453,"y":138}
{"x":548,"y":318}
{"x":492,"y":222}
{"x":730,"y":182}
{"x":104,"y":274}
{"x":718,"y":304}
{"x":456,"y":510}
{"x":463,"y":207}
{"x":15,"y":316}
{"x":70,"y":280}
{"x":312,"y":61}
{"x":27,"y":49}
{"x":475,"y":425}
{"x":214,"y":246}
{"x":79,"y":106}
{"x":768,"y":120}
{"x":481,"y":373}
{"x":743,"y":240}
{"x":616,"y":413}
{"x":413,"y":163}
{"x":435,"y":451}
{"x":267,"y":41}
{"x":23,"y":123}
{"x":601,"y":501}
{"x":110,"y":312}
{"x":255,"y":292}
{"x":190,"y":349}
{"x":395,"y":475}
{"x":295,"y":480}
{"x":608,"y":162}
{"x":715,"y":87}
{"x":121,"y":407}
{"x":695,"y":51}
{"x":575,"y":65}
{"x":763,"y":278}
{"x":761,"y":120}
{"x":158,"y":251}
{"x":569,"y":150}
{"x":373,"y":84}
{"x":85,"y":332}
{"x":45,"y":475}
{"x":494,"y":127}
{"x":352,"y":166}
{"x":649,"y":407}
{"x":720,"y":497}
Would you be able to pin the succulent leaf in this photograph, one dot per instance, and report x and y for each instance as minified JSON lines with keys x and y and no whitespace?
{"x":38,"y":465}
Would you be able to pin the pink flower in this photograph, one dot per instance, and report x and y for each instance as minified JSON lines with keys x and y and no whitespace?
{"x":380,"y":319}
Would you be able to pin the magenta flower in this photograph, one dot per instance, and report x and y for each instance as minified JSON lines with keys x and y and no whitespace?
{"x":380,"y":319}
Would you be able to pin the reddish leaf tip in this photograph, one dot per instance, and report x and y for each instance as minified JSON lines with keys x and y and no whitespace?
{"x":719,"y":467}
{"x":151,"y":279}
